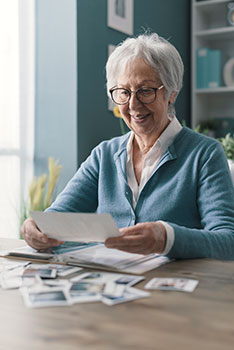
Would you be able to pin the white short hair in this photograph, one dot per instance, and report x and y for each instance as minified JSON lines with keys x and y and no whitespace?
{"x":156,"y":51}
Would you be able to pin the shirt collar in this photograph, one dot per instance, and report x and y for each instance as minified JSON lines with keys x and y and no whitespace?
{"x":164,"y":140}
{"x":169,"y":134}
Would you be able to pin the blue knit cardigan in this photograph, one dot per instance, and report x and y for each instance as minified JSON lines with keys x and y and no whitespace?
{"x":191,"y":189}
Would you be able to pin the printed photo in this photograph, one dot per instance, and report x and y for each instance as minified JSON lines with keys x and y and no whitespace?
{"x":44,"y":298}
{"x":128,"y":295}
{"x":172,"y":284}
{"x":83,"y":292}
{"x":44,"y":272}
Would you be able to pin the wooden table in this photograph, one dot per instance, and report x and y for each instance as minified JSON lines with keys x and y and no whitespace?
{"x":201,"y":320}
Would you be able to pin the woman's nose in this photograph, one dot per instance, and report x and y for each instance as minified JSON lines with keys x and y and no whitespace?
{"x":133,"y":101}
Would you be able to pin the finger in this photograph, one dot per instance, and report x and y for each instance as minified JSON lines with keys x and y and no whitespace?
{"x":43,"y":246}
{"x":54,"y":242}
{"x":36,"y":238}
{"x":144,"y":247}
{"x":134,"y":230}
{"x":38,"y":245}
{"x":33,"y":235}
{"x":125,"y":241}
{"x":138,"y":243}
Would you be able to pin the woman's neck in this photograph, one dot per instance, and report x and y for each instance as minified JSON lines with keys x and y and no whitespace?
{"x":144,"y":143}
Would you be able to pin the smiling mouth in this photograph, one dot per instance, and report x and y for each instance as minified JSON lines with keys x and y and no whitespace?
{"x":140,"y":117}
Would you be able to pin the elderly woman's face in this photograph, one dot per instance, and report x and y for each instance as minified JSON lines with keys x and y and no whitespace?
{"x":143,"y":119}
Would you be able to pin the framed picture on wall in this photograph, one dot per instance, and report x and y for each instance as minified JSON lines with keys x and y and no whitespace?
{"x":120,"y":15}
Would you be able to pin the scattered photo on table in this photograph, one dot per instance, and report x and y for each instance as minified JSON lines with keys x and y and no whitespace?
{"x":88,"y":276}
{"x":104,"y":277}
{"x":40,"y":288}
{"x":172,"y":284}
{"x":65,"y":270}
{"x":11,"y":283}
{"x":81,"y":288}
{"x":41,"y":270}
{"x":82,"y":292}
{"x":45,"y":298}
{"x":12,"y":273}
{"x":113,"y":286}
{"x":113,"y":289}
{"x":56,"y":283}
{"x":129,"y":294}
{"x":12,"y":265}
{"x":30,"y":281}
{"x":129,"y":280}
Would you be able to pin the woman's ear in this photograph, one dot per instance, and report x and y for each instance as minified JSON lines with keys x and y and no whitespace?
{"x":172,"y":97}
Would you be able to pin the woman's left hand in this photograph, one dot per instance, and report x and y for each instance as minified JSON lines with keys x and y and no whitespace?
{"x":143,"y":238}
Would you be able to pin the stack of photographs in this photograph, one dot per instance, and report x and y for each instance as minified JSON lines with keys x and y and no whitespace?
{"x":47,"y":285}
{"x":109,"y":288}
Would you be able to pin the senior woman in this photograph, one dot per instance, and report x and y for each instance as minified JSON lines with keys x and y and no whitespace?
{"x":168,"y":188}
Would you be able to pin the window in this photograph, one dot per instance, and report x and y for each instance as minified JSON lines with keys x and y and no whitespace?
{"x":16,"y":110}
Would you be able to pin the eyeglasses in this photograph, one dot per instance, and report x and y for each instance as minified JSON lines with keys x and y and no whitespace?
{"x":145,"y":95}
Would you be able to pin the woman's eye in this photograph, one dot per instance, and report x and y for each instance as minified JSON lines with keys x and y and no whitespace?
{"x":124,"y":93}
{"x":145,"y":91}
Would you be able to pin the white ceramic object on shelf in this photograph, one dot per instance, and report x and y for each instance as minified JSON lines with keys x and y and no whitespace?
{"x":231,"y":167}
{"x":228,"y":72}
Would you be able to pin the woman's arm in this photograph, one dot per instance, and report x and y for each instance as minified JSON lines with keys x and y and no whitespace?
{"x":81,"y":192}
{"x":80,"y":195}
{"x":215,"y":202}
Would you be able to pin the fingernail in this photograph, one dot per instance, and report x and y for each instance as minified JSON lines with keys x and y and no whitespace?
{"x":44,"y":240}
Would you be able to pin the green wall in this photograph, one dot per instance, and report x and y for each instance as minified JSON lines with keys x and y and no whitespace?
{"x":72,"y":39}
{"x":169,"y":18}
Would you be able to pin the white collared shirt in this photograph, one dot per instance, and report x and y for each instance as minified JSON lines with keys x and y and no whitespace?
{"x":150,"y":162}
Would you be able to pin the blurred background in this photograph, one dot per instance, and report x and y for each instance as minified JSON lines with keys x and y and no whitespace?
{"x":53,"y":101}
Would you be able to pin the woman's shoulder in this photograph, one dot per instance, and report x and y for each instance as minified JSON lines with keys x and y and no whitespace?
{"x":115,"y":143}
{"x":190,"y":143}
{"x":193,"y":138}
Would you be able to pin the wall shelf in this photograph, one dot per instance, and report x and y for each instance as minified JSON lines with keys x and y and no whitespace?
{"x":208,"y":4}
{"x":210,"y":30}
{"x":220,"y":90}
{"x":221,"y":32}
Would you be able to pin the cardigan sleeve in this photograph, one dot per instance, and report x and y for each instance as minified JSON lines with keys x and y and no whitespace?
{"x":215,"y":201}
{"x":81,"y":192}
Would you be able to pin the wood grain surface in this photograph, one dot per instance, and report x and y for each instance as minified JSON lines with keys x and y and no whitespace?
{"x":200,"y":320}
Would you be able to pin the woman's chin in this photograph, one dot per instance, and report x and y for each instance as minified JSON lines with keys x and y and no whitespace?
{"x":142,"y":124}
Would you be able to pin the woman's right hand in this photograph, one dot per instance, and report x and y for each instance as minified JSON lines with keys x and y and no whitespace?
{"x":35,"y":238}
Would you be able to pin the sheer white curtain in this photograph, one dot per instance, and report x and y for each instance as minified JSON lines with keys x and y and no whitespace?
{"x":16,"y":110}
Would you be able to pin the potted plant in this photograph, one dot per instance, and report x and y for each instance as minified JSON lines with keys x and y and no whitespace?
{"x":41,"y":190}
{"x":207,"y":127}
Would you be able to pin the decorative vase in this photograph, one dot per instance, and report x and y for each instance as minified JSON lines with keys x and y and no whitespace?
{"x":231,"y":167}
